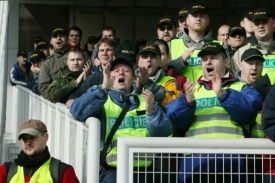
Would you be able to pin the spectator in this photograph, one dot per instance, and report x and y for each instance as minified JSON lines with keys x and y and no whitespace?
{"x":165,"y":58}
{"x":151,"y":76}
{"x":44,"y":47}
{"x":75,"y":36}
{"x":223,"y":34}
{"x":182,"y":18}
{"x":184,"y":51}
{"x":263,"y":40}
{"x":236,"y":39}
{"x":37,"y":58}
{"x":21,"y":73}
{"x":107,"y":32}
{"x":167,"y":29}
{"x":107,"y":101}
{"x":36,"y":40}
{"x":90,"y":45}
{"x":34,"y":163}
{"x":73,"y":74}
{"x":219,"y":106}
{"x":247,"y":24}
{"x":52,"y":67}
{"x":106,"y":55}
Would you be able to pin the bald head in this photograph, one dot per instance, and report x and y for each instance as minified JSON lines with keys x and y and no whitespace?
{"x":223,"y":33}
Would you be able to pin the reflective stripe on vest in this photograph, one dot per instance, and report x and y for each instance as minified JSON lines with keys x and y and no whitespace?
{"x":212,"y":120}
{"x":194,"y":70}
{"x":41,"y":175}
{"x":257,"y":130}
{"x":131,"y":126}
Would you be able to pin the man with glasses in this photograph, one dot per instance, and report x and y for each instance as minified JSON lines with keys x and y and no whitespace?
{"x":90,"y":45}
{"x":52,"y":67}
{"x":184,"y":51}
{"x":166,"y":29}
{"x":236,"y":39}
{"x":182,"y":18}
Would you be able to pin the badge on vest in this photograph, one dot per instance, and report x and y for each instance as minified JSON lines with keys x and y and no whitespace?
{"x":207,"y":102}
{"x":129,"y":122}
{"x":194,"y":61}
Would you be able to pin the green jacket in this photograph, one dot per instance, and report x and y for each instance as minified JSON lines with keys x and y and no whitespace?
{"x":50,"y":70}
{"x":61,"y":88}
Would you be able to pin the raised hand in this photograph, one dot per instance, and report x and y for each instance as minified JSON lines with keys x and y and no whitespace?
{"x":187,"y":53}
{"x":189,"y":87}
{"x":217,"y":84}
{"x":108,"y":80}
{"x":149,"y":99}
{"x":86,"y":70}
{"x":142,"y":75}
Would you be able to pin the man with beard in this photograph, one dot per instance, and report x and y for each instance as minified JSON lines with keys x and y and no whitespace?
{"x":52,"y":66}
{"x":34,"y":163}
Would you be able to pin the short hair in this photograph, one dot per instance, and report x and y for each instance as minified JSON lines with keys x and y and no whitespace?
{"x":74,"y":50}
{"x":107,"y":41}
{"x":162,"y":42}
{"x":75,"y":28}
{"x":109,"y":28}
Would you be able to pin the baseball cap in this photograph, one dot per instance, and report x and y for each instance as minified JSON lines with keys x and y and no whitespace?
{"x":61,"y":30}
{"x":37,"y":39}
{"x":151,"y":48}
{"x":32,"y":127}
{"x":37,"y":56}
{"x":261,"y":13}
{"x":247,"y":14}
{"x":166,"y":20}
{"x":183,"y":13}
{"x":121,"y":60}
{"x":252,"y":53}
{"x":198,"y":7}
{"x":211,"y":48}
{"x":92,"y":39}
{"x":42,"y":44}
{"x":235,"y":29}
{"x":22,"y":53}
{"x":126,"y":50}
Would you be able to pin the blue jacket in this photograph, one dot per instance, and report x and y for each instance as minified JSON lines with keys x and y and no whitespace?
{"x":19,"y":77}
{"x":241,"y":106}
{"x":91,"y":104}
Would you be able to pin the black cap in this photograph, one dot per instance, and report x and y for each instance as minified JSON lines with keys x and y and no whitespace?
{"x":198,"y":7}
{"x":236,"y":29}
{"x":37,"y":39}
{"x":252,"y":53}
{"x":261,"y":13}
{"x":166,"y":20}
{"x":22,"y":53}
{"x":122,"y":61}
{"x":211,"y":48}
{"x":92,"y":39}
{"x":247,"y":14}
{"x":37,"y":56}
{"x":42,"y":44}
{"x":183,"y":13}
{"x":126,"y":50}
{"x":60,"y":30}
{"x":151,"y":48}
{"x":141,"y":41}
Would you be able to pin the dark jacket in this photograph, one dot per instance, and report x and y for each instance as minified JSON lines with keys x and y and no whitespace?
{"x":20,"y":77}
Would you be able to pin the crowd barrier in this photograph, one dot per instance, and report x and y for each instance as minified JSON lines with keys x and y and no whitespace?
{"x":74,"y":142}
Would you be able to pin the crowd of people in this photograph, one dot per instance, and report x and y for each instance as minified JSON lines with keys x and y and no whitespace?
{"x":185,"y":83}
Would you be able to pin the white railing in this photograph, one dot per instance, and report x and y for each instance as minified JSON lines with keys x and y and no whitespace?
{"x":130,"y":147}
{"x":71,"y":141}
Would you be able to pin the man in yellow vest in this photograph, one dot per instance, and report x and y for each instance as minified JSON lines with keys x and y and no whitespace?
{"x":144,"y":118}
{"x":218,"y":106}
{"x":34,"y":163}
{"x":184,"y":51}
{"x":263,"y":40}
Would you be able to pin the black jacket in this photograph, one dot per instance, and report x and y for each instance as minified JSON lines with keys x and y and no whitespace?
{"x":268,"y":115}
